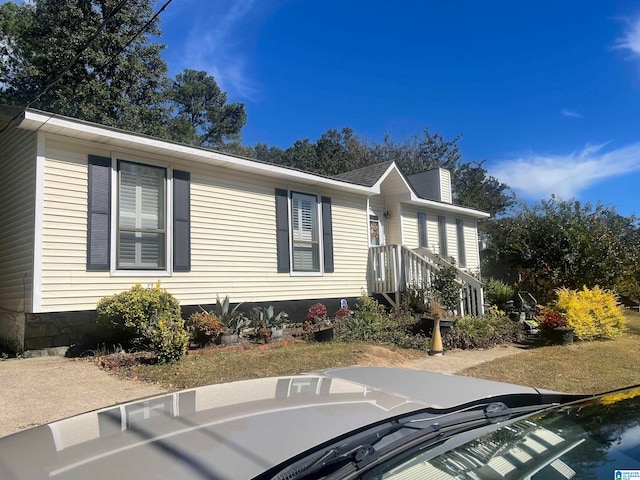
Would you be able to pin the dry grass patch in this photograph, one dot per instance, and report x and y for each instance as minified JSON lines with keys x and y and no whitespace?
{"x":585,"y":367}
{"x":220,"y":365}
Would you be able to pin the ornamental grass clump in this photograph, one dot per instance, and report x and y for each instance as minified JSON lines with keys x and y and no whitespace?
{"x":592,"y":313}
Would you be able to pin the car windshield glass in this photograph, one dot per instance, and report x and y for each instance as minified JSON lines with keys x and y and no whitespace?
{"x":597,"y":438}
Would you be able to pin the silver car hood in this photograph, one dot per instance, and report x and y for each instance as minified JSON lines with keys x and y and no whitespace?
{"x":231,"y":430}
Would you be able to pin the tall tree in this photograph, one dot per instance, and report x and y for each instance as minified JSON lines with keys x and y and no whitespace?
{"x":336,"y":152}
{"x":202,"y":115}
{"x":118,"y":79}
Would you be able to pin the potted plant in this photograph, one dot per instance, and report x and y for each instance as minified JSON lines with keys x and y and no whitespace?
{"x":317,"y":325}
{"x":232,"y":320}
{"x":268,"y":326}
{"x":554,"y":327}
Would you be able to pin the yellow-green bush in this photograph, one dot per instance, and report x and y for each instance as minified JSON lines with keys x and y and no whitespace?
{"x":592,"y":313}
{"x":165,"y":336}
{"x":125,"y":312}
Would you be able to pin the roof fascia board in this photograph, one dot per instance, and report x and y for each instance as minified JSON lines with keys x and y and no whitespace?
{"x":391,"y":167}
{"x":447,"y":207}
{"x":59,"y":125}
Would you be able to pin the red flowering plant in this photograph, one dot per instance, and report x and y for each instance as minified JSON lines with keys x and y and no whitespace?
{"x":551,"y":320}
{"x":342,"y":312}
{"x":316,"y":319}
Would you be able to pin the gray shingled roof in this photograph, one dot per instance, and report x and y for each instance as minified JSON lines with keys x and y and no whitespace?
{"x":367,"y":176}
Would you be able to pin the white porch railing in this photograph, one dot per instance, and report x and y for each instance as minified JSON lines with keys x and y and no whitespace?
{"x":392,"y":268}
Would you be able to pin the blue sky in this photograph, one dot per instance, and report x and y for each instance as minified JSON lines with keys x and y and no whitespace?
{"x":548,"y":92}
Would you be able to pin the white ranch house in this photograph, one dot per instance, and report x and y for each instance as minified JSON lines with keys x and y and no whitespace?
{"x":88,"y":211}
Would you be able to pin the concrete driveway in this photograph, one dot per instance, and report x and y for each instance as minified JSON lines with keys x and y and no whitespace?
{"x":43,"y":389}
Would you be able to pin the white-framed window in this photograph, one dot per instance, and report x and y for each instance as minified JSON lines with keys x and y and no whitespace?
{"x":305,"y":233}
{"x":141,"y":218}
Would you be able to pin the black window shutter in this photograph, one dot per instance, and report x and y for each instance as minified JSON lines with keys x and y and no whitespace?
{"x":282,"y":229}
{"x":181,"y":221}
{"x":99,"y":214}
{"x":327,"y":234}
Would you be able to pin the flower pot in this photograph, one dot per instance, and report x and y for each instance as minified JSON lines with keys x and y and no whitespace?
{"x":324,"y":335}
{"x":229,"y":338}
{"x":560,"y":336}
{"x":277,"y":333}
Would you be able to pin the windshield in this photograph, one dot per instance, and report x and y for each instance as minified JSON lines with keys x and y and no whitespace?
{"x":598,"y":438}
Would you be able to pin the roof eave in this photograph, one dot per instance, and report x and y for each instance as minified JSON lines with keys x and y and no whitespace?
{"x":59,"y":125}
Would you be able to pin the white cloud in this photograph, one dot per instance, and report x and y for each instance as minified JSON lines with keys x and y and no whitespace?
{"x":631,"y":38}
{"x":536,"y":176}
{"x":570,"y":113}
{"x":214,"y":44}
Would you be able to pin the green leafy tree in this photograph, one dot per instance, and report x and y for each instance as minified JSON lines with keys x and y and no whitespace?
{"x":94,"y":60}
{"x":202,"y":115}
{"x":118,"y":78}
{"x":337,"y":152}
{"x":559,"y":243}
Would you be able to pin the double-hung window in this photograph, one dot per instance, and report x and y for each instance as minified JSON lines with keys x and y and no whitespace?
{"x":142,"y":218}
{"x":305,"y":233}
{"x":138,"y":217}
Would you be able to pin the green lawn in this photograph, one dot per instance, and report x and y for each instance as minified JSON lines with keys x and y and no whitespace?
{"x":585,"y":367}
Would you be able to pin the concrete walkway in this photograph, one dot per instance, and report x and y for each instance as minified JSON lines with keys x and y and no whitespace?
{"x":44,"y":389}
{"x":458,"y":360}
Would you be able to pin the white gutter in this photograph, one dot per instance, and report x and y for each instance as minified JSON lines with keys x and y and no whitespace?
{"x":59,"y":125}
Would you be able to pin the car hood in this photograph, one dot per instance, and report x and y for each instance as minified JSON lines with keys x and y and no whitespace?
{"x":231,"y":430}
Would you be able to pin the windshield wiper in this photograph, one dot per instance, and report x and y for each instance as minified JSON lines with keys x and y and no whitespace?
{"x":361,"y":449}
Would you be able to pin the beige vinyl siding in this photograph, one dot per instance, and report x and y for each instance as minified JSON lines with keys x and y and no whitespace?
{"x":471,"y":244}
{"x":445,"y":185}
{"x":233,"y":239}
{"x":410,"y":226}
{"x":17,"y":218}
{"x":410,"y":230}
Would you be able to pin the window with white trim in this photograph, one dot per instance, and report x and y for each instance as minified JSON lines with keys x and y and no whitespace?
{"x":141,"y":218}
{"x":305,"y":233}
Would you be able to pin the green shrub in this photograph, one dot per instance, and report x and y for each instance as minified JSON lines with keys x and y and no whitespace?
{"x":164,"y":334}
{"x":481,"y":332}
{"x":203,"y":327}
{"x":496,"y":292}
{"x":370,"y":323}
{"x":126,"y":311}
{"x":592,"y":313}
{"x":445,"y":287}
